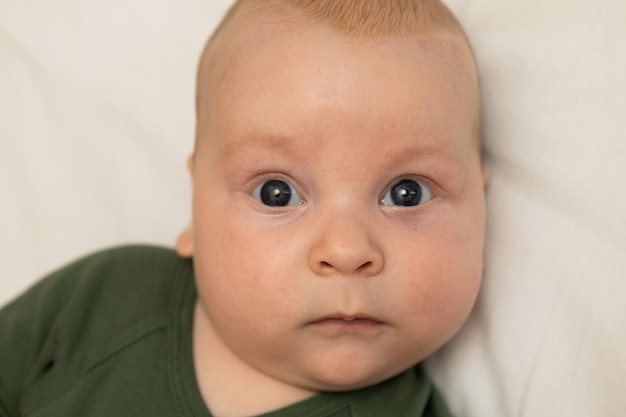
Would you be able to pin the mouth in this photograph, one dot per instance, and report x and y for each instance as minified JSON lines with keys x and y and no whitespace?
{"x":352,"y":323}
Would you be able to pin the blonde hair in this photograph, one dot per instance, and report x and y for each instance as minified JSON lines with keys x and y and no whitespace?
{"x":361,"y":18}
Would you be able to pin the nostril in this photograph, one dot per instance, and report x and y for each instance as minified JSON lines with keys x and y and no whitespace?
{"x":365,"y":267}
{"x":325,"y":265}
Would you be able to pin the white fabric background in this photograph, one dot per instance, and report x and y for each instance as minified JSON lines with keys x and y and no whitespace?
{"x":96,"y":120}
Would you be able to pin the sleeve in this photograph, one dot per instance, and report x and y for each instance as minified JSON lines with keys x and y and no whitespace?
{"x":27,"y":327}
{"x":51,"y":332}
{"x":21,"y":337}
{"x":3,"y":413}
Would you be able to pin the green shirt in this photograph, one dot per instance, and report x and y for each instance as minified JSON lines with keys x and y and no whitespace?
{"x":110,"y":335}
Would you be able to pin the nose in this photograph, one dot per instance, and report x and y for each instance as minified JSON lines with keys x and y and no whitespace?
{"x":345,"y":245}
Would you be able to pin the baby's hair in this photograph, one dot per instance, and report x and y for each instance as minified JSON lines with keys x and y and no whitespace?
{"x":361,"y":18}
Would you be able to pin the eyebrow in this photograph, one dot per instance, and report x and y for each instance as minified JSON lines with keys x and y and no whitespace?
{"x":422,"y":151}
{"x":291,"y":146}
{"x":284,"y":143}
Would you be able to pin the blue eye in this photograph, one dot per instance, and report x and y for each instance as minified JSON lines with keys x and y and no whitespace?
{"x":407,"y":193}
{"x":276,"y":193}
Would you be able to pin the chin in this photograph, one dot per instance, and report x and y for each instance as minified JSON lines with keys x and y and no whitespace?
{"x":350,"y":376}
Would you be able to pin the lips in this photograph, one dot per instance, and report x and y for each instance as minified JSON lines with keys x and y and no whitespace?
{"x":347,"y":323}
{"x":341,"y":317}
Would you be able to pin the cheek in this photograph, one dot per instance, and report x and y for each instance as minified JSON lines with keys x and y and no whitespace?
{"x":446,"y":269}
{"x":241,"y":269}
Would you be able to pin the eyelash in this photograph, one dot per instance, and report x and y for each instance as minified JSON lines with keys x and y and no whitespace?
{"x":275,"y":197}
{"x":420,"y":195}
{"x":414,"y":192}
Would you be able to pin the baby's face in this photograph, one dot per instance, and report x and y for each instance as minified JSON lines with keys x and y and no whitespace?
{"x":338,"y":213}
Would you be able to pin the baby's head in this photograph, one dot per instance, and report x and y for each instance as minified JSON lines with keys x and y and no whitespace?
{"x":338,"y":205}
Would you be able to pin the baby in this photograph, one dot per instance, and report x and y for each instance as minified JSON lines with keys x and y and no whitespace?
{"x":336,"y":238}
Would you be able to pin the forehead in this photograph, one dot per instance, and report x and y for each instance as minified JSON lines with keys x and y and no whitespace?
{"x":280,"y":80}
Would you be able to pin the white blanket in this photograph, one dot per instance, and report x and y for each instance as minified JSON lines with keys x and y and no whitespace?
{"x":96,"y":120}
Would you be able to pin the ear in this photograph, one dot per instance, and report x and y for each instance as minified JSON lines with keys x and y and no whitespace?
{"x":184,"y":243}
{"x":485,"y":170}
{"x":190,"y":159}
